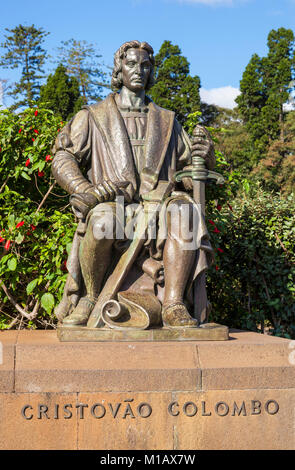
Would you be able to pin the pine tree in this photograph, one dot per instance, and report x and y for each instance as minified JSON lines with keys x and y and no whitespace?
{"x":278,"y":71}
{"x":82,"y":62}
{"x":265,"y":87}
{"x":251,"y":102}
{"x":61,"y":93}
{"x":23,"y":50}
{"x":174,"y":88}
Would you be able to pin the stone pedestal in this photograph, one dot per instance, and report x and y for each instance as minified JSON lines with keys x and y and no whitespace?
{"x":236,"y":394}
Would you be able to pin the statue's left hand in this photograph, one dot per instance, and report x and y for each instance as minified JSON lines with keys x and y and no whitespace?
{"x":82,"y":203}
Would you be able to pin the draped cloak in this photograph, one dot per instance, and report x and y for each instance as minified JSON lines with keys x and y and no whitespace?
{"x":98,"y":140}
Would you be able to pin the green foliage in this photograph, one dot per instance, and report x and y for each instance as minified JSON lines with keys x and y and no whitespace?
{"x":277,"y":170}
{"x":82,"y":62}
{"x":174,"y":88}
{"x":265,"y":87}
{"x":36,"y":225}
{"x":23,"y":49}
{"x":253,"y":285}
{"x":61,"y":93}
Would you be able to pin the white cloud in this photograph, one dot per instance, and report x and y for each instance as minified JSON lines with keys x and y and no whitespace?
{"x":223,"y":96}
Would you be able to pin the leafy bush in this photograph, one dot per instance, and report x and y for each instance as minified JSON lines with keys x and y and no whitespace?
{"x":36,"y":227}
{"x":253,"y":283}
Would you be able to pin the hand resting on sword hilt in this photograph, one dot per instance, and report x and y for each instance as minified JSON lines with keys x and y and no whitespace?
{"x":202,"y":146}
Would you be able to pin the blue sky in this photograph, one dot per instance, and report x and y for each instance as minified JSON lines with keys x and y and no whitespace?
{"x":217,"y":36}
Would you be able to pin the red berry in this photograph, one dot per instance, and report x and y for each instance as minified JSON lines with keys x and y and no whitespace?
{"x":48,"y":158}
{"x":220,"y":250}
{"x":211,"y":222}
{"x":40,"y":173}
{"x":36,"y":112}
{"x":217,"y":268}
{"x":218,"y":207}
{"x":216,"y":230}
{"x":36,"y":132}
{"x":33,"y":227}
{"x":7,"y":245}
{"x":28,"y":162}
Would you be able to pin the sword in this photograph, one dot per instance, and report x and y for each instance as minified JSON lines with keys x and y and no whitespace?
{"x":200,"y":175}
{"x":106,"y":300}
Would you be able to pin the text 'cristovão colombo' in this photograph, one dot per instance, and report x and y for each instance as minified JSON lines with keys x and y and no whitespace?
{"x":129,"y":410}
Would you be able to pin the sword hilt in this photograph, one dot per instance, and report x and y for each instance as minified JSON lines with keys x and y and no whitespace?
{"x":198,"y":170}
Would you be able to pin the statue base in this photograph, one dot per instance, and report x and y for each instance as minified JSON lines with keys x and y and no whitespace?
{"x":206,"y":332}
{"x":201,"y":395}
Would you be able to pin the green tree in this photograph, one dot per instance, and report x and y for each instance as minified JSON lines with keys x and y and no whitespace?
{"x":82,"y":62}
{"x":265,"y":88}
{"x":24,"y":50}
{"x":276,"y":170}
{"x":174,"y":87}
{"x":278,"y":71}
{"x":233,"y":139}
{"x":61,"y":93}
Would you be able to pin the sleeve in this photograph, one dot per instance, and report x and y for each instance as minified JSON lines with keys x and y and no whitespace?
{"x":72,"y":150}
{"x":184,"y":157}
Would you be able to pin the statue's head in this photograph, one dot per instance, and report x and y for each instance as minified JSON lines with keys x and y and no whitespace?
{"x":133,"y":66}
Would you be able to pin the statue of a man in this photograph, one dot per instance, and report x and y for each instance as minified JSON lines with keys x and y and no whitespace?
{"x":125,"y":146}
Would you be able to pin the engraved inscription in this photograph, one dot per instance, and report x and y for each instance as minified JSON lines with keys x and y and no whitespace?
{"x":130,"y":410}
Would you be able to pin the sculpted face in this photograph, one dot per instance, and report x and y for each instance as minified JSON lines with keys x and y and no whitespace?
{"x":136,"y":69}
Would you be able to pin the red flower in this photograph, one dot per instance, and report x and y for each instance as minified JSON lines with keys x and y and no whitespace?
{"x":217,"y":268}
{"x":28,"y":162}
{"x":7,"y":245}
{"x":48,"y":158}
{"x":220,"y":250}
{"x":211,"y":222}
{"x":19,"y":131}
{"x":33,"y":227}
{"x":33,"y":139}
{"x":216,"y":230}
{"x":40,"y":173}
{"x":36,"y":132}
{"x":36,"y":112}
{"x":218,"y":207}
{"x":20,"y":224}
{"x":2,"y":239}
{"x":230,"y":206}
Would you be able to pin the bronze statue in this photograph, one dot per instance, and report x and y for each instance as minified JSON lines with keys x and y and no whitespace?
{"x":128,"y":147}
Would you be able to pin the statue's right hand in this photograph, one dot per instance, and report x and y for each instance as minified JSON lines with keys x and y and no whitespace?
{"x":82,"y":203}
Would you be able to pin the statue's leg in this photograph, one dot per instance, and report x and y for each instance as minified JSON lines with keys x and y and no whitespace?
{"x":178,"y":259}
{"x":95,"y":258}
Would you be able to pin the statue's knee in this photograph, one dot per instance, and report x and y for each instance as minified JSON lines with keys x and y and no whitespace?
{"x":103,"y":225}
{"x":180,"y":217}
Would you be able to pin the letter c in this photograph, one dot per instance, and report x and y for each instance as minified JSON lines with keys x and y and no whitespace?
{"x":170,"y":408}
{"x":24,"y":412}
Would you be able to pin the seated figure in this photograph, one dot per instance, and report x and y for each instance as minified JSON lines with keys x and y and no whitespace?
{"x":127,"y":147}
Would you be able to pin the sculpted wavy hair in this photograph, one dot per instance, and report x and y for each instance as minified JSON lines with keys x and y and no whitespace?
{"x":117,"y":81}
